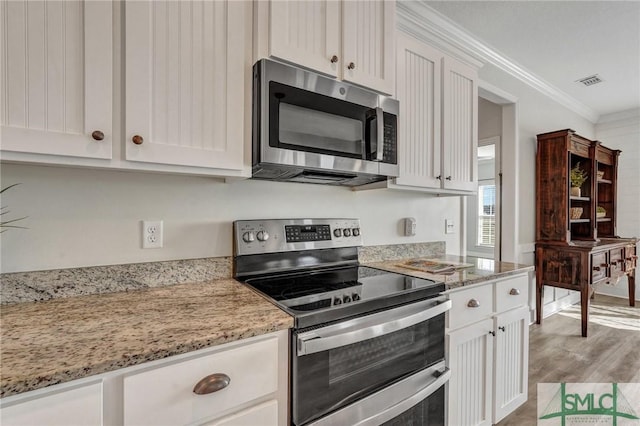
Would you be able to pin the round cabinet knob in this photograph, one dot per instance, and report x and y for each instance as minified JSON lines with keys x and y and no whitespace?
{"x":337,"y":232}
{"x":439,"y":177}
{"x":337,"y":301}
{"x":346,"y":232}
{"x":355,"y":297}
{"x":97,"y":135}
{"x":351,"y":66}
{"x":346,"y":299}
{"x":248,"y":237}
{"x":448,"y":178}
{"x":355,"y":232}
{"x":473,"y":303}
{"x":262,"y":235}
{"x":137,"y":139}
{"x":212,"y":383}
{"x":334,"y":59}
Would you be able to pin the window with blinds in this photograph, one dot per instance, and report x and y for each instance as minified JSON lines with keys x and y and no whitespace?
{"x":486,"y":215}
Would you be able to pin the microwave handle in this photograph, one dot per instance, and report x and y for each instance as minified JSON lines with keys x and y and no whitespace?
{"x":370,"y":326}
{"x":380,"y":134}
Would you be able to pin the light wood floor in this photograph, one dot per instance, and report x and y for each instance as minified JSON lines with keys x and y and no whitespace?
{"x":557,"y":353}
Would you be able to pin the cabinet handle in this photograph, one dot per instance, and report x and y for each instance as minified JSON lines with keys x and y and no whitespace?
{"x":97,"y":135}
{"x":493,"y":333}
{"x":514,"y":292}
{"x":212,"y":383}
{"x":439,"y":177}
{"x":448,"y":178}
{"x":137,"y":139}
{"x":596,"y":268}
{"x":503,"y":329}
{"x":334,"y":59}
{"x":351,"y":66}
{"x":473,"y":303}
{"x":604,"y":265}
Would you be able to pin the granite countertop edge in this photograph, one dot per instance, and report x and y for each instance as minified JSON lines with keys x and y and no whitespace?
{"x":35,"y":353}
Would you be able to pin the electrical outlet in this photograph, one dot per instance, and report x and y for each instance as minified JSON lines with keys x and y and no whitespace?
{"x":151,"y":234}
{"x":449,"y":228}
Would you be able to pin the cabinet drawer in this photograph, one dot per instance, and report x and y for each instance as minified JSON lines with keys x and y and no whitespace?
{"x":512,"y":293}
{"x":164,"y":396}
{"x":470,"y":305}
{"x":79,"y":406}
{"x":616,"y":261}
{"x":262,"y":414}
{"x":598,"y":266}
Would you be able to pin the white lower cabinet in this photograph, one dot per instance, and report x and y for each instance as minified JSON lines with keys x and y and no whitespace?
{"x":488,"y":351}
{"x":162,"y":392}
{"x":79,"y":405}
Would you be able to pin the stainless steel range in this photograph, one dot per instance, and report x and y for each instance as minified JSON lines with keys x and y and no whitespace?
{"x":367,"y":345}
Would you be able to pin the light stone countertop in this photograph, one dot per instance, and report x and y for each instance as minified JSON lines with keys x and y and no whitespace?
{"x":481,"y":270}
{"x":55,"y":341}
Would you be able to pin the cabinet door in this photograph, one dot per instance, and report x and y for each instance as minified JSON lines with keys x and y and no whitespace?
{"x":56,"y":77}
{"x":262,"y":414}
{"x":460,"y":126}
{"x":368,"y":31}
{"x":187,"y":82}
{"x":471,"y":363}
{"x":512,"y":361}
{"x":306,"y":33}
{"x":79,"y":406}
{"x":418,"y":86}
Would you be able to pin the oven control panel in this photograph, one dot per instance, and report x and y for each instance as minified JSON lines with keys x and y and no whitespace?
{"x":279,"y":235}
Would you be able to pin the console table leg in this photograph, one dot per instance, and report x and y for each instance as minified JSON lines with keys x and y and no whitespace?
{"x":632,"y":288}
{"x":585,"y":294}
{"x":539,"y":297}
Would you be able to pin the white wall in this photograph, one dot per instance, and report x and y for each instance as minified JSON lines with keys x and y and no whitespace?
{"x":489,"y":119}
{"x":622,"y":131}
{"x":82,"y":217}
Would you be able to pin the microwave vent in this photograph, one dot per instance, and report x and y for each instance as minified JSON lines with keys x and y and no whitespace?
{"x":591,"y":80}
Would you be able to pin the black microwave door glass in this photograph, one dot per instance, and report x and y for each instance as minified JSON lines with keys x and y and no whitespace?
{"x":305,"y":121}
{"x":327,"y":381}
{"x":428,"y":412}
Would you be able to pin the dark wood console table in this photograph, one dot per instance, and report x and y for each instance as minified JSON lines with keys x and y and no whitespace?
{"x":583,"y":265}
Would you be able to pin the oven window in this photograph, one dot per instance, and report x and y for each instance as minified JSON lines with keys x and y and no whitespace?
{"x":429,"y":411}
{"x":303,"y":120}
{"x":326,"y":381}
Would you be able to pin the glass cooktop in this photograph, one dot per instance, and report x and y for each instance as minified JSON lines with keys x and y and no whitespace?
{"x":318,"y":296}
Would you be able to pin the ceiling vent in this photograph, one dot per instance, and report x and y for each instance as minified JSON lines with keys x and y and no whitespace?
{"x":591,"y":80}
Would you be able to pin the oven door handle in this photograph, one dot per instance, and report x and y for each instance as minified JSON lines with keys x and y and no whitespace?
{"x":390,"y":402}
{"x":370,"y":326}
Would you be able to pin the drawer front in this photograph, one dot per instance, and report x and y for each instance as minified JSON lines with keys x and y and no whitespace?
{"x":512,"y":293}
{"x":598,"y":266}
{"x":630,"y":258}
{"x":164,"y":396}
{"x":616,"y":261}
{"x":262,"y":414}
{"x":470,"y":305}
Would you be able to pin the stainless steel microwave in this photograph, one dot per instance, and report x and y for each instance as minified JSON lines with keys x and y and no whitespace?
{"x":314,"y":129}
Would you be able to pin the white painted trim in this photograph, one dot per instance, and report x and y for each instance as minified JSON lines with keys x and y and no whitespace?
{"x":426,"y":23}
{"x":495,"y":94}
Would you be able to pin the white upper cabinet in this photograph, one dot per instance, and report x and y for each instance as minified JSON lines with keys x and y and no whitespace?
{"x":56,"y":77}
{"x":438,"y":120}
{"x":188,"y":70}
{"x":459,"y":126}
{"x":352,"y":40}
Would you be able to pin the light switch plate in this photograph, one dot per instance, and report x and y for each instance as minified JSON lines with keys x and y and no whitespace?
{"x":449,"y":227}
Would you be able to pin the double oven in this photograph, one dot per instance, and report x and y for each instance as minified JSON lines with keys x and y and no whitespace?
{"x":368,"y":346}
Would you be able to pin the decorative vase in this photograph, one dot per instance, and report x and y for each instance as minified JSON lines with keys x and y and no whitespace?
{"x":575,"y":191}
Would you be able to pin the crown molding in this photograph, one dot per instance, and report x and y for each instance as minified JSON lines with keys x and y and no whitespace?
{"x":427,"y":24}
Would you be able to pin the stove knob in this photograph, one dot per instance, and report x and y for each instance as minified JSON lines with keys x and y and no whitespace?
{"x":337,"y":301}
{"x":346,"y":232}
{"x":262,"y":235}
{"x":346,"y":299}
{"x":248,"y":237}
{"x":337,"y":232}
{"x":355,"y":297}
{"x":355,"y":232}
